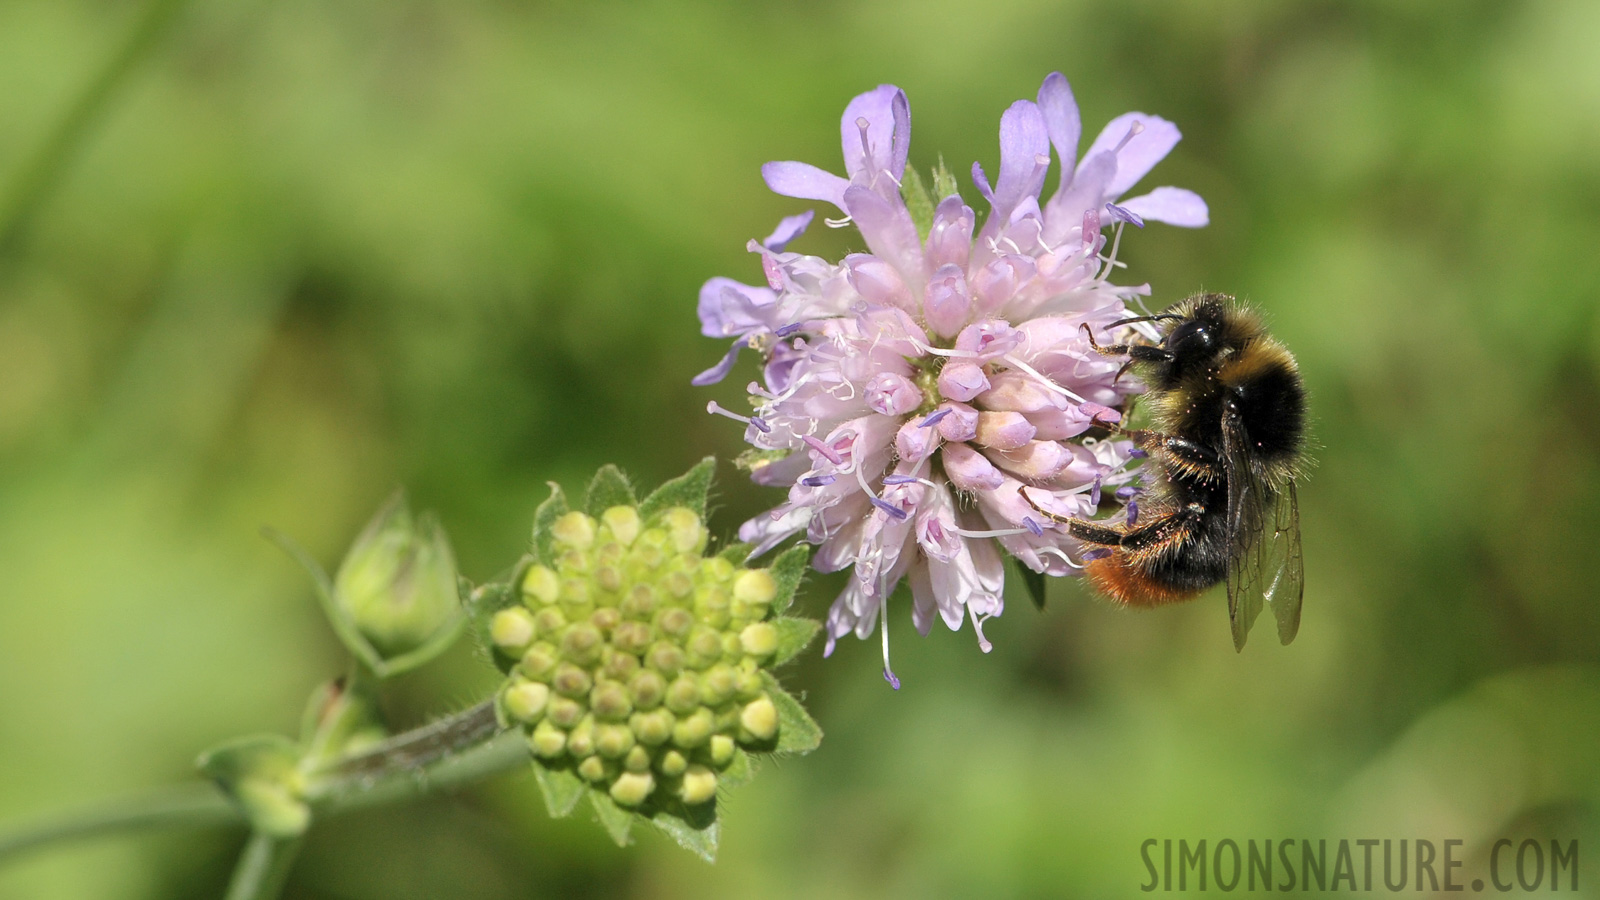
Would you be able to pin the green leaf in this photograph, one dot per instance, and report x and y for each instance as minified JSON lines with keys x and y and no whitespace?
{"x":609,"y":488}
{"x":919,"y":203}
{"x":787,"y":570}
{"x":562,"y":789}
{"x":797,"y":731}
{"x":257,"y":773}
{"x":1033,"y":581}
{"x":737,"y":553}
{"x":793,"y":636}
{"x":346,"y":630}
{"x":689,"y":489}
{"x":739,"y":772}
{"x":618,"y":822}
{"x":691,"y":829}
{"x":553,"y":508}
{"x":944,"y":182}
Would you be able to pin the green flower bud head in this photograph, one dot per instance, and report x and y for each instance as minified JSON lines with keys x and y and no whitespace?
{"x":397,"y":585}
{"x":639,"y":666}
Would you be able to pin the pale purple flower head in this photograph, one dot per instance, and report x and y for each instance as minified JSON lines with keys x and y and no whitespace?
{"x":912,"y":394}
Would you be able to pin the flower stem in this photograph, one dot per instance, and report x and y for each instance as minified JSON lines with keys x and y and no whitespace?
{"x":263,"y":867}
{"x":178,"y":805}
{"x":463,"y":748}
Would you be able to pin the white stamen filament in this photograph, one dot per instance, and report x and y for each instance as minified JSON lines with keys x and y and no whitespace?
{"x":1046,"y":383}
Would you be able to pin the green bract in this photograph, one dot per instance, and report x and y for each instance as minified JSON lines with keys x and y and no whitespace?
{"x":637,"y":666}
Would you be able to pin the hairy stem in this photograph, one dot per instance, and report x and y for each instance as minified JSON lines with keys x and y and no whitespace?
{"x":263,"y":867}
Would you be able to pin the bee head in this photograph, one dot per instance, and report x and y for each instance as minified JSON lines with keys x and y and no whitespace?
{"x":1197,"y":339}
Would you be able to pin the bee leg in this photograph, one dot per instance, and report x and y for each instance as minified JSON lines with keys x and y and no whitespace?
{"x":1192,"y":455}
{"x":1081,"y":529}
{"x":1137,"y":353}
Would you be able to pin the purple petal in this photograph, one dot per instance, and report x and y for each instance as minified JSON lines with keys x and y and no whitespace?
{"x":889,"y":232}
{"x":1174,"y":206}
{"x":888,"y":118}
{"x":1141,"y":152}
{"x":1023,"y":142}
{"x":982,"y":181}
{"x":1061,"y":120}
{"x":719,"y":371}
{"x":804,"y":181}
{"x":787,"y":230}
{"x":728,"y":307}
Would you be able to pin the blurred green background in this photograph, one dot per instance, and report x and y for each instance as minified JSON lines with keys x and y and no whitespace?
{"x":288,"y":255}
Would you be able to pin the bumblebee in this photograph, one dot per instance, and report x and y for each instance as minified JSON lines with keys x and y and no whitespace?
{"x":1228,"y":443}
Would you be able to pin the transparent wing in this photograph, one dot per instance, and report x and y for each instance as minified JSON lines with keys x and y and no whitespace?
{"x":1265,"y":564}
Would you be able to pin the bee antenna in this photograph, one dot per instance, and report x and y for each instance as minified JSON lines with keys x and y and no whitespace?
{"x":1155,"y":318}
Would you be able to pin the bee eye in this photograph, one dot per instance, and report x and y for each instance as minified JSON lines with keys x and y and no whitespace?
{"x":1191,"y":338}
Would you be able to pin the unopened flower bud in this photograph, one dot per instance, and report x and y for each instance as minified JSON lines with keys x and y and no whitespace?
{"x":620,"y":666}
{"x":563,"y":711}
{"x":679,"y":584}
{"x":641,"y":603}
{"x":549,"y":621}
{"x":540,"y":585}
{"x":683,"y":696}
{"x":612,"y":740}
{"x":652,"y":728}
{"x":750,"y":685}
{"x":721,"y":750}
{"x":610,"y":702}
{"x":547,"y":741}
{"x":623,"y":523}
{"x":716,"y":570}
{"x":717,"y":684}
{"x":712,"y":607}
{"x":539,"y":663}
{"x":632,"y":788}
{"x":694,"y":730}
{"x":699,"y":785}
{"x":581,"y":645}
{"x":631,"y":637}
{"x":397,"y":585}
{"x":609,"y":578}
{"x":647,"y":688}
{"x":575,"y":530}
{"x":580,"y":741}
{"x":571,"y":681}
{"x":610,"y":553}
{"x":575,"y":597}
{"x":685,"y":530}
{"x":704,"y":647}
{"x":648,"y":556}
{"x":760,"y":719}
{"x":593,"y":768}
{"x":759,"y":640}
{"x":512,"y":630}
{"x":676,"y":621}
{"x":755,"y":586}
{"x":637,"y":760}
{"x":672,"y":763}
{"x":525,"y":701}
{"x":665,"y":658}
{"x":605,"y":618}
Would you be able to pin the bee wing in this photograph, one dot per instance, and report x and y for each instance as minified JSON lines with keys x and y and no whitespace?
{"x":1265,"y":564}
